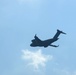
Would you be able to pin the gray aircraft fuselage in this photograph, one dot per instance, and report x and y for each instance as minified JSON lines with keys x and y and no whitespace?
{"x":45,"y":43}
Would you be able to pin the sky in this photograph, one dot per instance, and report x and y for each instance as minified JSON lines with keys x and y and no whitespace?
{"x":20,"y":20}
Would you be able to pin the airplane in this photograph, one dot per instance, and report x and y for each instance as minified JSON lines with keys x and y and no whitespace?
{"x":45,"y":43}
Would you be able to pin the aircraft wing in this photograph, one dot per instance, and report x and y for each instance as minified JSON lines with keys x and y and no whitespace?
{"x":54,"y":45}
{"x":36,"y":41}
{"x":36,"y":38}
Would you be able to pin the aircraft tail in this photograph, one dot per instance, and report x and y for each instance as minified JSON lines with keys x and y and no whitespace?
{"x":58,"y":33}
{"x":61,"y":31}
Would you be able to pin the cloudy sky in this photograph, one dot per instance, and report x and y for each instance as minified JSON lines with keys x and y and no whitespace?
{"x":20,"y":20}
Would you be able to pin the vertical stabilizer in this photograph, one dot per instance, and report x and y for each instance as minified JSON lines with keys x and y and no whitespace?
{"x":58,"y":33}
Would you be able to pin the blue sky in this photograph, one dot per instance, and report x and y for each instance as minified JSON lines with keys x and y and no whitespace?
{"x":20,"y":20}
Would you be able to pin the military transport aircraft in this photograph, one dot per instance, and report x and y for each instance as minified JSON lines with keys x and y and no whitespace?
{"x":45,"y":43}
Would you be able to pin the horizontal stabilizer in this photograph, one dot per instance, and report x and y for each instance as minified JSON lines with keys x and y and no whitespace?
{"x":61,"y":31}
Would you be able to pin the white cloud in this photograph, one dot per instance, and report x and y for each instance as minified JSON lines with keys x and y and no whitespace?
{"x":36,"y":58}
